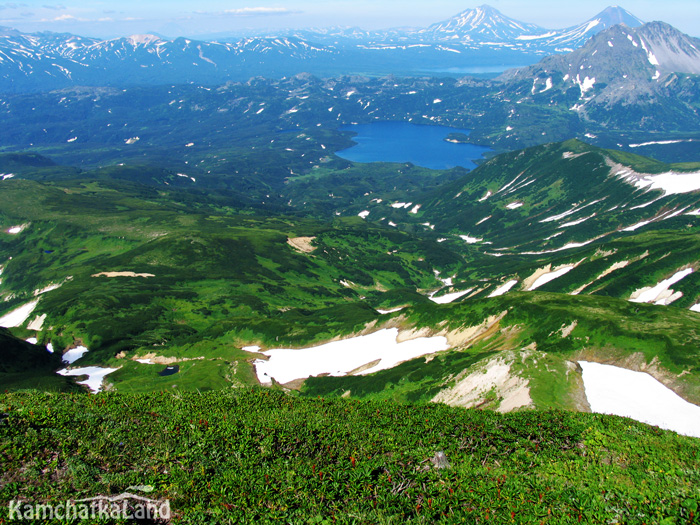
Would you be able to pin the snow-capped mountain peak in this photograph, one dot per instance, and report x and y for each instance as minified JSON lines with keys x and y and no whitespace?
{"x":483,"y":23}
{"x":614,"y":15}
{"x":573,"y":37}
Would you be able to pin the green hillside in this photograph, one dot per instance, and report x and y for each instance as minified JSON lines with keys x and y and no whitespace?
{"x":132,"y":265}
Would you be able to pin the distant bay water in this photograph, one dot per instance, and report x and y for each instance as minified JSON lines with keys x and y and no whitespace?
{"x":405,"y":142}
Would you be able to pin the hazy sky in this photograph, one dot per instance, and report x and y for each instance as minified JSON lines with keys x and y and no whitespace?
{"x":109,"y":18}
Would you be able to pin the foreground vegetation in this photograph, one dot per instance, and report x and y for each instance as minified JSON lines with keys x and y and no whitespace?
{"x":260,"y":456}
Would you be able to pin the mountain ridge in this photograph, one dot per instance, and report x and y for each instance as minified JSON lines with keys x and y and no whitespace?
{"x":45,"y":61}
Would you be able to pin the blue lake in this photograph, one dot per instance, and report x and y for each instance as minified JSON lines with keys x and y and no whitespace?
{"x":405,"y":142}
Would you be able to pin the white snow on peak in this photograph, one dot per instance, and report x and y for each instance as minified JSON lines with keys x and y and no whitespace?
{"x":536,"y":37}
{"x":142,"y":39}
{"x":660,"y":142}
{"x":585,"y":85}
{"x":14,"y":230}
{"x":567,"y":246}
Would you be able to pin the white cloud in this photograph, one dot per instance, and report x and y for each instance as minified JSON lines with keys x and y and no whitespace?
{"x":259,"y":11}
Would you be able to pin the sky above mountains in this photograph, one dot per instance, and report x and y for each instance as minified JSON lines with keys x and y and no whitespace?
{"x":112,"y":18}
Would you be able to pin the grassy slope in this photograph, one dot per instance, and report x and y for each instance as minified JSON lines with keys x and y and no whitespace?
{"x":228,"y":457}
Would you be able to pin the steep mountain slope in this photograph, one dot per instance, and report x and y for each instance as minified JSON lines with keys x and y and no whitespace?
{"x":576,"y":36}
{"x":622,"y":78}
{"x":582,"y":218}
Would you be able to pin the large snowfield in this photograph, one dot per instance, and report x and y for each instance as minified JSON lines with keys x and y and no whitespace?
{"x":378,"y":351}
{"x":637,"y":395}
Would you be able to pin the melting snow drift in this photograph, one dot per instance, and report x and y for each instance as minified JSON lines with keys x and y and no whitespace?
{"x":377,"y":351}
{"x":18,"y":316}
{"x":71,"y":356}
{"x":95,"y":375}
{"x":661,"y":294}
{"x":622,"y":392}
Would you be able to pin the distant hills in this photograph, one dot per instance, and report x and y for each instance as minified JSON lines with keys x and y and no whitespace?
{"x":476,"y":40}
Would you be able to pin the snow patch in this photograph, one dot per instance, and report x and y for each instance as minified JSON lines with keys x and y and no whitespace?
{"x":470,"y":240}
{"x":449,"y":297}
{"x":637,"y":395}
{"x":390,"y":311}
{"x":359,"y":355}
{"x":71,"y":356}
{"x":19,"y":315}
{"x":504,"y":288}
{"x":550,"y":276}
{"x":488,"y":194}
{"x":95,"y":375}
{"x":660,"y":294}
{"x":14,"y":230}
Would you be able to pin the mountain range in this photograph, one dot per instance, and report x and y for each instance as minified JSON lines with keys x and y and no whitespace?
{"x":475,"y":40}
